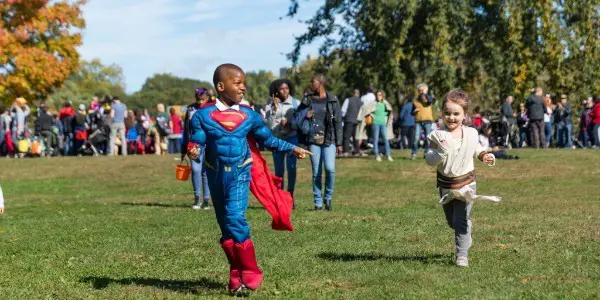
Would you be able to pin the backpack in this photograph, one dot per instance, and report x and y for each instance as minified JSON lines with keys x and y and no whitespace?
{"x":163,"y":126}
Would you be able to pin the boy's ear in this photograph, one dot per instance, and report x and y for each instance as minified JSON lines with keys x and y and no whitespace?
{"x":220,"y":87}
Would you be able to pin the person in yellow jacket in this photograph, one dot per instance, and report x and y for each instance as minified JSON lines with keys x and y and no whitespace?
{"x":423,"y":112}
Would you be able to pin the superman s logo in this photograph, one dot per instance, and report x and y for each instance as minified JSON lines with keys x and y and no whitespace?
{"x":229,"y":119}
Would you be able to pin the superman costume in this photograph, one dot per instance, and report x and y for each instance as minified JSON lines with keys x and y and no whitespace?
{"x":223,"y":133}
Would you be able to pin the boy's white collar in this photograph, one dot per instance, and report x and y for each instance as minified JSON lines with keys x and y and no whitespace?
{"x":222,"y":107}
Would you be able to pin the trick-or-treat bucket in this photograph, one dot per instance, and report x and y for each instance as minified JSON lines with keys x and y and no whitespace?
{"x":182,"y":172}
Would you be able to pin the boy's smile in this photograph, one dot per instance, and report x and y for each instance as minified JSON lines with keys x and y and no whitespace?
{"x":233,"y":88}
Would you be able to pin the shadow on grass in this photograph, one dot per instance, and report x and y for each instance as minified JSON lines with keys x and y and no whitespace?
{"x":182,"y":286}
{"x":156,"y":204}
{"x":348,"y":257}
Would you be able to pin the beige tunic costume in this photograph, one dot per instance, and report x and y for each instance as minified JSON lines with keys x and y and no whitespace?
{"x":454,"y":161}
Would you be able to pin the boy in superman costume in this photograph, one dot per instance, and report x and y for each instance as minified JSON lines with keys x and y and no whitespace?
{"x":222,"y":129}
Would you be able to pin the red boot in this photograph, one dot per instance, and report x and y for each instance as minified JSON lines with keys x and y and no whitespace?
{"x":235,"y":281}
{"x":252,"y":276}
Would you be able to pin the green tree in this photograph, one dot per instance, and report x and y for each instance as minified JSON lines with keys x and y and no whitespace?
{"x":92,"y":79}
{"x":257,"y":83}
{"x":490,"y":48}
{"x":166,"y":89}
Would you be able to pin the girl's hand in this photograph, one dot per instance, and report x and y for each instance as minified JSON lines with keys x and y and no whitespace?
{"x":489,"y":159}
{"x":301,"y":153}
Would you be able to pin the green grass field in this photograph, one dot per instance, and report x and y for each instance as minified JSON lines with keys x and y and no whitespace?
{"x":122,"y":228}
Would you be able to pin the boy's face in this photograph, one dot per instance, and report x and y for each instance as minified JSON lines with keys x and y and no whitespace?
{"x":233,"y":86}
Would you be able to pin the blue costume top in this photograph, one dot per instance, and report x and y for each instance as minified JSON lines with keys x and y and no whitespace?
{"x":222,"y":134}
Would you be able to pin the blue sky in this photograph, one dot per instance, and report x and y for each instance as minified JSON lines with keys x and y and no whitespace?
{"x":189,"y":38}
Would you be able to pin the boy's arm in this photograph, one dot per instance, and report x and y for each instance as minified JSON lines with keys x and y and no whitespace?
{"x":264,"y":136}
{"x":197,"y":136}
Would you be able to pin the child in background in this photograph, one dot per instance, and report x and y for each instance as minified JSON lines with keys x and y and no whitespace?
{"x":452,"y":150}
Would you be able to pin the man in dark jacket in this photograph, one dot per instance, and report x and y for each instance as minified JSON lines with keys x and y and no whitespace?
{"x":349,"y":111}
{"x":43,"y":127}
{"x":536,"y":108}
{"x":320,"y":122}
{"x":562,"y":119}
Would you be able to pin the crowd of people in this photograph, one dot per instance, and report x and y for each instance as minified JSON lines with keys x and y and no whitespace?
{"x":369,"y":125}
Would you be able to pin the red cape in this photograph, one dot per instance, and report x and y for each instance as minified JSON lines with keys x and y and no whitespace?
{"x":266,"y":187}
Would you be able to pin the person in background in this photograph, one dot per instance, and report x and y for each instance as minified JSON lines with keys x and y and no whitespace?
{"x":199,"y":177}
{"x":367,"y":99}
{"x":118,"y":111}
{"x":280,"y":119}
{"x":19,"y":113}
{"x":350,"y":110}
{"x":162,"y":125}
{"x":548,"y":116}
{"x":595,"y":120}
{"x":585,"y":122}
{"x":536,"y":111}
{"x":562,"y":119}
{"x":381,"y":111}
{"x":506,"y":110}
{"x":66,"y":115}
{"x":523,"y":124}
{"x":407,"y":124}
{"x":176,"y":132}
{"x":80,"y":127}
{"x":321,"y":121}
{"x":423,"y":112}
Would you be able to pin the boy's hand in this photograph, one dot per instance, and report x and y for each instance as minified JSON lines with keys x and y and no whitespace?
{"x":193,"y":152}
{"x":301,"y":153}
{"x":489,"y":159}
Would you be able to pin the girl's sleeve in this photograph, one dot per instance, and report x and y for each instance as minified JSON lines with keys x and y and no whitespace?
{"x":480,"y":151}
{"x":434,"y":157}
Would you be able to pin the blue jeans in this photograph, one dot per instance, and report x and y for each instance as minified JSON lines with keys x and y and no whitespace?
{"x":322,"y":155}
{"x":564,"y":134}
{"x":377,"y":131}
{"x":548,"y":132}
{"x":174,"y":145}
{"x":524,"y":137}
{"x":199,"y":179}
{"x":420,"y":128}
{"x":68,"y":150}
{"x":281,"y":160}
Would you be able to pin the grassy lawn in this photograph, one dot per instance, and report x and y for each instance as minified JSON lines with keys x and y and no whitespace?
{"x":122,"y":228}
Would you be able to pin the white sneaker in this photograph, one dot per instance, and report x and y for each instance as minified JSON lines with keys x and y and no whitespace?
{"x":462,"y":261}
{"x":378,"y":158}
{"x":390,"y":158}
{"x":196,"y":207}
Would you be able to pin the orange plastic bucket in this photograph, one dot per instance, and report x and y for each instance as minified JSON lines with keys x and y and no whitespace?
{"x":182,"y":172}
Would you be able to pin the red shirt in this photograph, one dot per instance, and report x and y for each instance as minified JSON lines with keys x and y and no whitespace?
{"x":176,"y":124}
{"x":595,"y":114}
{"x":66,"y":111}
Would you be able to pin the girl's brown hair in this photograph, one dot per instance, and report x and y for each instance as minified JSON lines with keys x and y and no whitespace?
{"x":459,"y":97}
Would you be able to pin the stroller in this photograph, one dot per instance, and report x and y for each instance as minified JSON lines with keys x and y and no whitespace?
{"x":97,"y":141}
{"x":502,"y":131}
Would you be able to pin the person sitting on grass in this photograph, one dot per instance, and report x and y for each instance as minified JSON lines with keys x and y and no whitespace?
{"x":452,"y":150}
{"x":487,"y":142}
{"x":221,"y":130}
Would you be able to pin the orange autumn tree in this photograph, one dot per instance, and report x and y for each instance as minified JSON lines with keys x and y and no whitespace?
{"x":38,"y":44}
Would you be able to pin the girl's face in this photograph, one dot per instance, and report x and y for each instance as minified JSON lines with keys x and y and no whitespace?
{"x":284,"y":91}
{"x":379,"y":96}
{"x":454,"y":115}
